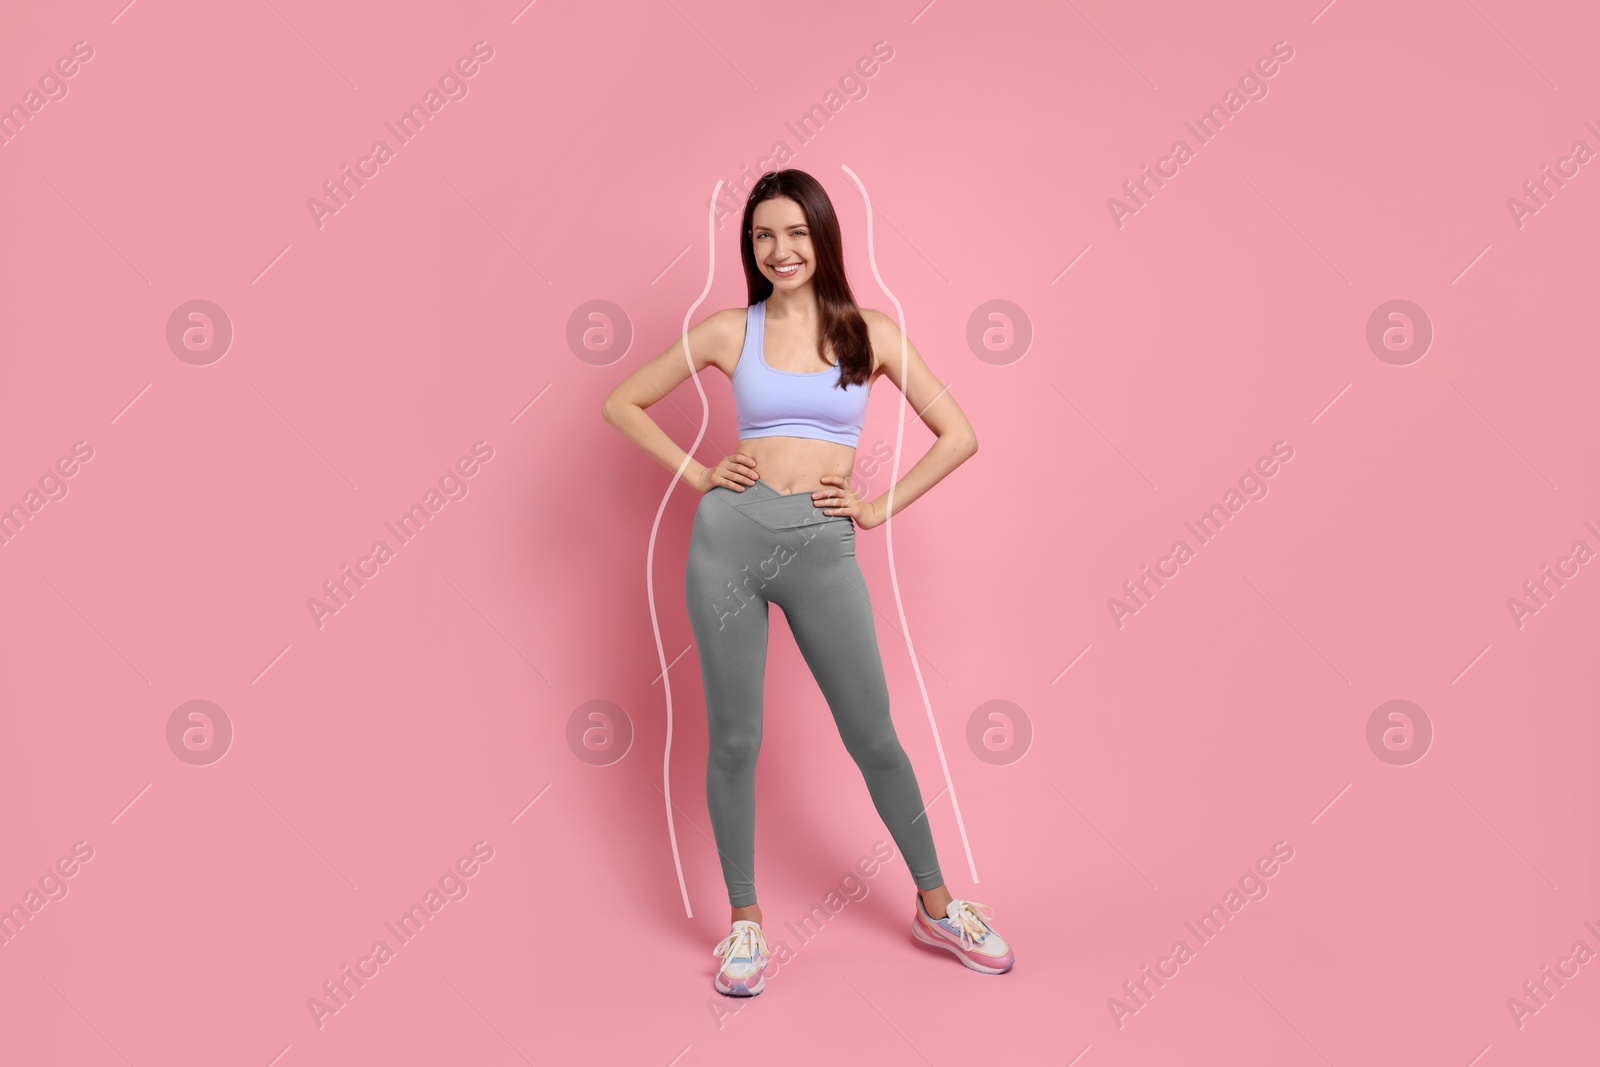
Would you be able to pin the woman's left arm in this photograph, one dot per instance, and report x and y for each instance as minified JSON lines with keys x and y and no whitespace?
{"x":932,"y":402}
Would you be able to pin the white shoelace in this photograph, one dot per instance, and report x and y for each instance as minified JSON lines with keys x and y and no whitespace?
{"x":970,"y":923}
{"x":744,"y":941}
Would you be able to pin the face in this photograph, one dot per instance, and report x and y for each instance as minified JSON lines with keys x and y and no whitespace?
{"x":780,"y":237}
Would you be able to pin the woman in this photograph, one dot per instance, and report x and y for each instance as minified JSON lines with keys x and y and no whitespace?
{"x":777,"y":526}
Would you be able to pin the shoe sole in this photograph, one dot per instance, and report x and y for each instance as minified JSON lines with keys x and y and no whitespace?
{"x":933,"y":942}
{"x":740,"y":990}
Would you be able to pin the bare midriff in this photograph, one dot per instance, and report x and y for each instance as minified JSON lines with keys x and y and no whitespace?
{"x":797,"y":464}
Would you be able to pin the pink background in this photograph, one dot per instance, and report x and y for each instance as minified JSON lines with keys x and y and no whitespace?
{"x":431,"y":311}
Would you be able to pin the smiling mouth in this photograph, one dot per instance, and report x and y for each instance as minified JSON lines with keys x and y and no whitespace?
{"x":788,"y":269}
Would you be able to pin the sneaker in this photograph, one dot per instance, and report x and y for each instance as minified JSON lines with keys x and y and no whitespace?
{"x":965,"y":933}
{"x":744,"y":960}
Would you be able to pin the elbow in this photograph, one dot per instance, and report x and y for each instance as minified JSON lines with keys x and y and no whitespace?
{"x":969,"y":446}
{"x":609,"y":408}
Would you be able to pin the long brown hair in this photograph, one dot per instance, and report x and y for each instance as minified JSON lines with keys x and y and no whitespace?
{"x":842,"y":323}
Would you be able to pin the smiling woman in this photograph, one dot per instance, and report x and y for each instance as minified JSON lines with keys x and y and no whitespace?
{"x":802,"y":357}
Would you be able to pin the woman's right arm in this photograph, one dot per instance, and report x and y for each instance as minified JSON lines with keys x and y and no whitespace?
{"x":715,"y":340}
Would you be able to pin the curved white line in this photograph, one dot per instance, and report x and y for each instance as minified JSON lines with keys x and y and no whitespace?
{"x":894,"y":581}
{"x":650,"y":552}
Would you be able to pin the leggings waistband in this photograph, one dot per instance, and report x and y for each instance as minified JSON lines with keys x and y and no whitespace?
{"x":779,"y":510}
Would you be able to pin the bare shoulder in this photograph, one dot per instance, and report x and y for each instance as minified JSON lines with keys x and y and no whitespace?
{"x":883,"y":332}
{"x":722,"y":334}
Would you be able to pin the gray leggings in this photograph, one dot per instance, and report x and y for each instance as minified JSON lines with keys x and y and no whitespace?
{"x":758,"y":547}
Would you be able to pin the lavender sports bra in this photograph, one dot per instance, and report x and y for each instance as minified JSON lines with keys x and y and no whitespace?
{"x":786,"y":403}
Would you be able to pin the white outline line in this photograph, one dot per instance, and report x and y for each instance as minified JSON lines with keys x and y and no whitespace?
{"x":269,"y":266}
{"x":668,"y":267}
{"x":1332,"y":802}
{"x":530,"y":404}
{"x":1069,"y":666}
{"x":130,"y":803}
{"x":531,"y":803}
{"x":268,"y":667}
{"x":1330,"y":403}
{"x":1069,"y":266}
{"x":1468,"y":667}
{"x":675,"y":659}
{"x":130,"y":403}
{"x":888,"y":526}
{"x":650,"y":552}
{"x":1469,"y":266}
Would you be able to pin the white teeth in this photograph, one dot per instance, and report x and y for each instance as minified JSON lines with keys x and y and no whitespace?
{"x":787,"y":270}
